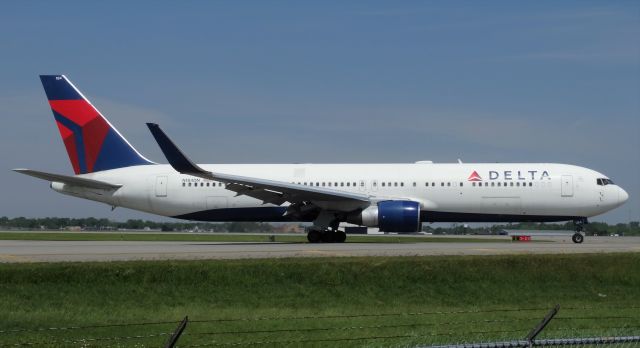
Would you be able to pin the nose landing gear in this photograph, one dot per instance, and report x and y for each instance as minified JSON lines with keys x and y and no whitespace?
{"x":578,"y":237}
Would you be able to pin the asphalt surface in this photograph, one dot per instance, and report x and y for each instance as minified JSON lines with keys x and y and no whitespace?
{"x":57,"y":251}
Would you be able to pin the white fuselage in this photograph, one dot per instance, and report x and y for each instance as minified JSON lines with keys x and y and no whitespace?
{"x":446,"y":192}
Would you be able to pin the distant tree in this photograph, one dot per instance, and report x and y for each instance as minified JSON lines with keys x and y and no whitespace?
{"x":54,"y":223}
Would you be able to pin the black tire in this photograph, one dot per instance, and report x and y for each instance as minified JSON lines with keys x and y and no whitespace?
{"x":577,"y":238}
{"x":340,"y":237}
{"x":328,"y":236}
{"x":314,"y":236}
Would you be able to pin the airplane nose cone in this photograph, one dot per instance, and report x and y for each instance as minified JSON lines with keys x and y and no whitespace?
{"x":622,"y":195}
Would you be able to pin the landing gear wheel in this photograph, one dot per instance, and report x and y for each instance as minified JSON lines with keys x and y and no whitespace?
{"x":339,"y":237}
{"x":314,"y":236}
{"x":328,"y":236}
{"x":577,"y":238}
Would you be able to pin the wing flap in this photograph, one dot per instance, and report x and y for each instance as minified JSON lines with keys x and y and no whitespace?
{"x":267,"y":196}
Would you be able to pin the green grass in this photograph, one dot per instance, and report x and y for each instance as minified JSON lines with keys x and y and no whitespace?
{"x":327,"y":299}
{"x":236,"y":237}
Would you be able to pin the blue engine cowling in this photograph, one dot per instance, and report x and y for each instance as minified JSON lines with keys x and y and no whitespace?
{"x":399,"y":216}
{"x":390,"y":216}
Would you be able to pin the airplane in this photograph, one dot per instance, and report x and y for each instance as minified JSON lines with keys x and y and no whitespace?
{"x":395,"y":197}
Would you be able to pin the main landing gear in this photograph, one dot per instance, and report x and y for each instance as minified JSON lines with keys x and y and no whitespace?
{"x":325,"y":229}
{"x":326,"y":236}
{"x":578,"y":237}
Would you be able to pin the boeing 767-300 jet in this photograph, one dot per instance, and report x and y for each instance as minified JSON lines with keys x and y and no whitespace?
{"x":393,"y":197}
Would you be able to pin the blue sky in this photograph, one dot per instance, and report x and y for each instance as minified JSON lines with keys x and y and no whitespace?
{"x":328,"y":81}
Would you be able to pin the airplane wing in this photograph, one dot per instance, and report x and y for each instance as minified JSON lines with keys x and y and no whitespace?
{"x":269,"y":191}
{"x":71,"y":180}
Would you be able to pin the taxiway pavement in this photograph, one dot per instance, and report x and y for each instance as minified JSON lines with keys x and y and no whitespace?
{"x":59,"y":251}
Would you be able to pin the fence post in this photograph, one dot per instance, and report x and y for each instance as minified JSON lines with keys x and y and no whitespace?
{"x":176,"y":334}
{"x":536,"y":330}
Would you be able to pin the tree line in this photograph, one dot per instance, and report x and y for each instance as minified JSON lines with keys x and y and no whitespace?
{"x":593,"y":228}
{"x":94,"y":224}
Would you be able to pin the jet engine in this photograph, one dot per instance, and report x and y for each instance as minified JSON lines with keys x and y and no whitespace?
{"x":390,"y":216}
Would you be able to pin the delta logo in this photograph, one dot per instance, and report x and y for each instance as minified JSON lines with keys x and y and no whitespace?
{"x":474,"y":176}
{"x":512,"y":175}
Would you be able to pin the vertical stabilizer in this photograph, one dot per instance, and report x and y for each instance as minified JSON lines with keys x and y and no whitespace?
{"x":92,"y":143}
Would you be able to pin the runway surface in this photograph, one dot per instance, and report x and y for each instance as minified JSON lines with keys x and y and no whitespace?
{"x":55,"y":251}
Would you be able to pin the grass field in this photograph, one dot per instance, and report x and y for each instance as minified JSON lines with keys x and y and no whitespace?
{"x":218,"y":237}
{"x":318,"y":302}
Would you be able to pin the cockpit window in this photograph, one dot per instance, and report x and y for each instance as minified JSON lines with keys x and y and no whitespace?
{"x":604,"y":181}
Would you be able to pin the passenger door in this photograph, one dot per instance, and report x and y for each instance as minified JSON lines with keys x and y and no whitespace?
{"x":566,"y":186}
{"x":161,"y":186}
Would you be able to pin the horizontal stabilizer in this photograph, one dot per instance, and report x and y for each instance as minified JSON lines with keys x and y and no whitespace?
{"x":71,"y":180}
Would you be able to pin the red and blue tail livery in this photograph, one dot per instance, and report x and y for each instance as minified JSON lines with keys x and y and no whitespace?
{"x":92,"y":143}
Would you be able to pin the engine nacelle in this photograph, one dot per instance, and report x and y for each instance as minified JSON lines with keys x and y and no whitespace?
{"x":391,"y":216}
